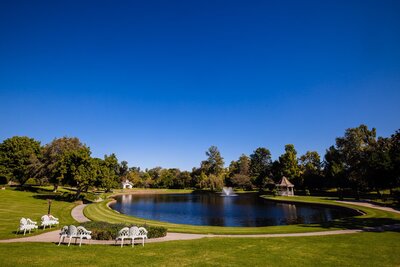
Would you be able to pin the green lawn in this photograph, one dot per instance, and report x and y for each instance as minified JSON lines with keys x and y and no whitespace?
{"x":365,"y":249}
{"x":101,"y":212}
{"x":17,"y":204}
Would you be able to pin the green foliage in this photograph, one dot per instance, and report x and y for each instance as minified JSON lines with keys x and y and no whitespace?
{"x":311,"y":170}
{"x":215,"y":162}
{"x":288,"y":163}
{"x":19,"y":158}
{"x":260,"y":166}
{"x":109,"y":231}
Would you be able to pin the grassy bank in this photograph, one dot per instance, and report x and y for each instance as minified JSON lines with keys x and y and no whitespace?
{"x":365,"y":249}
{"x":372,"y":217}
{"x":16,"y":204}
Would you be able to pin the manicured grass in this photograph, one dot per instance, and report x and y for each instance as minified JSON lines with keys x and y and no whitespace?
{"x":17,"y":204}
{"x":365,"y":249}
{"x":101,"y":212}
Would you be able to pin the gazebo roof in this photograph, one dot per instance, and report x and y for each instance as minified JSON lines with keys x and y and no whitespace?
{"x":285,"y":182}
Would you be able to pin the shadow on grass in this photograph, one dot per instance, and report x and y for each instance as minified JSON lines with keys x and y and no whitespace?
{"x":359,"y":223}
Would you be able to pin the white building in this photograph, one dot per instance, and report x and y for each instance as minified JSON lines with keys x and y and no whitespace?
{"x":126,"y":184}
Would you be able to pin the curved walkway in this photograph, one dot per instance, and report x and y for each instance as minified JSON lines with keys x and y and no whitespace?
{"x":369,"y":205}
{"x":77,"y":214}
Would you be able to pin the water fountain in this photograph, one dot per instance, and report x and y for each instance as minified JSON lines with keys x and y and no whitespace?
{"x":228,"y":192}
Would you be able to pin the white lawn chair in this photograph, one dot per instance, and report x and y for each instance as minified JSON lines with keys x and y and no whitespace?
{"x":53,"y":219}
{"x":26,"y":225}
{"x":136,"y":232}
{"x":48,"y":220}
{"x":63,"y":234}
{"x":142,"y":234}
{"x":122,"y":235}
{"x":82,"y":233}
{"x":75,"y":232}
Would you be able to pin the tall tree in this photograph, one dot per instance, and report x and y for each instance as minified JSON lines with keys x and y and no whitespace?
{"x":394,"y":153}
{"x":310,"y":164}
{"x":82,"y":170}
{"x":214,"y":163}
{"x":354,"y":150}
{"x":239,"y":173}
{"x":334,"y":170}
{"x":56,"y":158}
{"x":288,"y":163}
{"x":260,"y":166}
{"x":19,"y":158}
{"x":379,"y":165}
{"x":109,"y":169}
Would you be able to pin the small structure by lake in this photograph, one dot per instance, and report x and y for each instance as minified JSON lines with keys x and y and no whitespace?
{"x":126,"y":184}
{"x":284,"y":187}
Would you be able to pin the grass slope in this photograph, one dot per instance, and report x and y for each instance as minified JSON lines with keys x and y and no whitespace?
{"x":101,"y":212}
{"x":17,"y":204}
{"x":365,"y":249}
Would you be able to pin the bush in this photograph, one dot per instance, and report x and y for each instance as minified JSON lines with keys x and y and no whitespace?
{"x":109,"y":231}
{"x":274,"y":192}
{"x":3,"y":180}
{"x":396,"y":194}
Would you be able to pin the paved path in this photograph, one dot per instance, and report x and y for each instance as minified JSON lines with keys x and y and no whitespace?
{"x":369,"y":205}
{"x":77,"y":214}
{"x":53,"y":237}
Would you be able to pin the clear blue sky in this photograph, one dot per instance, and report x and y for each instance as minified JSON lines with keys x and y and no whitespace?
{"x":158,"y":82}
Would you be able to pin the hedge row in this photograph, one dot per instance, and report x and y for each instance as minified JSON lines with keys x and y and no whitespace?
{"x":109,"y":231}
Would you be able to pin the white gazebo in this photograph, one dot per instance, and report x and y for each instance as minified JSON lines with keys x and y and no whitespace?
{"x":126,"y":184}
{"x":284,"y":187}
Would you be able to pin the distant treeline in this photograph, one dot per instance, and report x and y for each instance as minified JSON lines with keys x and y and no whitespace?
{"x":359,"y":160}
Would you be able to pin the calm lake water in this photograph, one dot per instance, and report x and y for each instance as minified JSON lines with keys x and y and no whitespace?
{"x":213,"y":209}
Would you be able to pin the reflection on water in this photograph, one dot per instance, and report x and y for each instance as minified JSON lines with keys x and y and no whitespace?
{"x":212,"y":209}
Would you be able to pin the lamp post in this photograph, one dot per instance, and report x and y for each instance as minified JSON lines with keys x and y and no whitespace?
{"x":49,"y":201}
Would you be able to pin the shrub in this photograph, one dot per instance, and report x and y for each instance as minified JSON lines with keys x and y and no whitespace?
{"x":109,"y":231}
{"x":274,"y":192}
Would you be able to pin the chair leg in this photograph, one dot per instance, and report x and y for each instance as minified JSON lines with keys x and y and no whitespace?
{"x":69,"y":241}
{"x":122,"y":242}
{"x":80,"y":243}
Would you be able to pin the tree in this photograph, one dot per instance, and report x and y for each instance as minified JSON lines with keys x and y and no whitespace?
{"x":56,"y":158}
{"x":122,"y":170}
{"x":239,"y":173}
{"x":354,"y":150}
{"x":310,"y":165}
{"x":334,"y":169}
{"x":214,"y":163}
{"x":288,"y":163}
{"x":394,"y":154}
{"x":260,"y":166}
{"x":19,"y":158}
{"x":108,"y":172}
{"x":379,"y":165}
{"x":82,"y":170}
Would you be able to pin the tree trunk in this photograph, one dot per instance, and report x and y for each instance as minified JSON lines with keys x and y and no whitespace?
{"x":55,"y":187}
{"x":379,"y":193}
{"x":340,"y":193}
